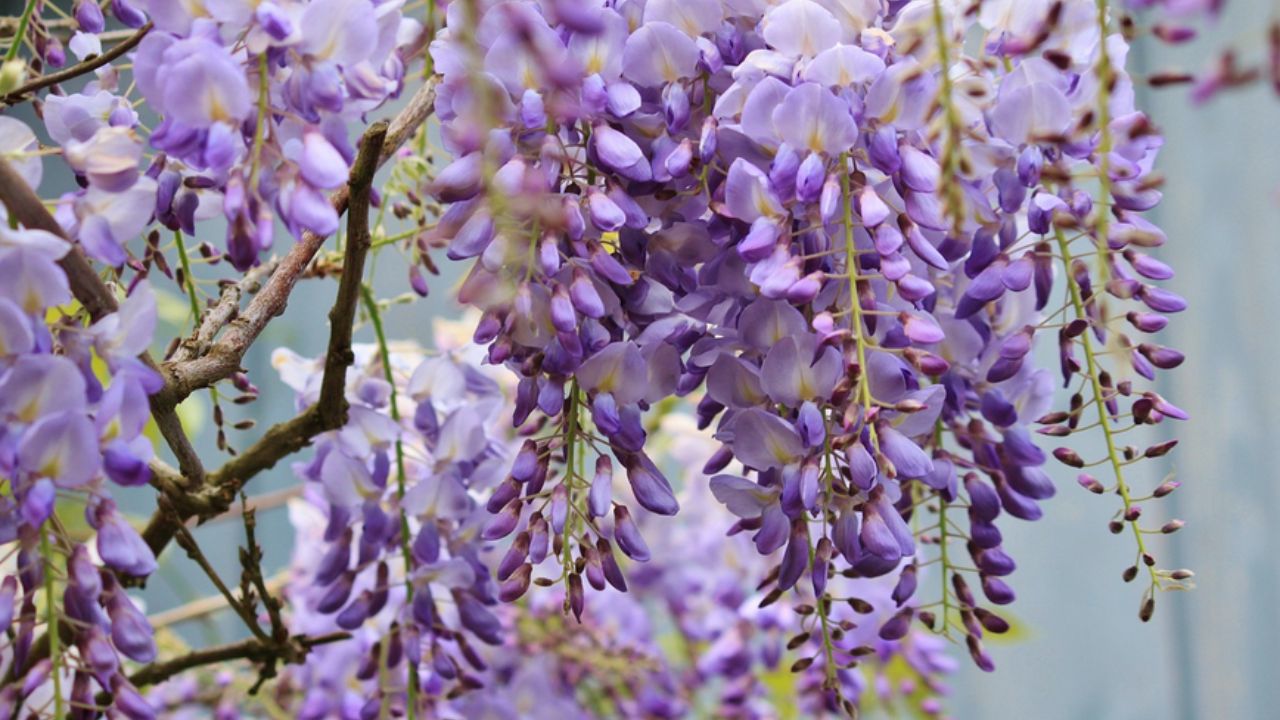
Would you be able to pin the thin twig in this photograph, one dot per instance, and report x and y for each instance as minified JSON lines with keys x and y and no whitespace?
{"x":225,"y":356}
{"x":83,"y":68}
{"x":241,"y":608}
{"x":223,"y":311}
{"x":250,"y":649}
{"x":330,"y":410}
{"x":206,"y":605}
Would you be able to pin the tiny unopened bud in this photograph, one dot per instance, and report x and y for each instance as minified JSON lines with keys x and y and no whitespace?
{"x":1116,"y":527}
{"x":1182,"y":574}
{"x":1130,"y":573}
{"x":1132,"y":513}
{"x":1148,"y":559}
{"x":1166,"y":488}
{"x":860,"y":606}
{"x":1068,"y":457}
{"x":12,"y":74}
{"x":797,"y":641}
{"x":992,"y":622}
{"x":1090,"y":483}
{"x":1147,"y":610}
{"x":1160,"y":449}
{"x":1172,"y":526}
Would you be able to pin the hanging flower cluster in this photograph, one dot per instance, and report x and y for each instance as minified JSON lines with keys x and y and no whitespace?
{"x":847,"y":230}
{"x":73,"y":406}
{"x":399,"y":562}
{"x":618,"y":661}
{"x":848,"y":234}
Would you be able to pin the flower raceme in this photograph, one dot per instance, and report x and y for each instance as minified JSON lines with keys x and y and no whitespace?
{"x":850,"y":234}
{"x":840,"y":232}
{"x":73,"y":406}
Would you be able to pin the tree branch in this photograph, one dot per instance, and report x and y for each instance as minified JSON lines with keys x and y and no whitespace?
{"x":223,"y":311}
{"x":84,"y":68}
{"x":225,"y":356}
{"x":250,"y":649}
{"x":330,"y":410}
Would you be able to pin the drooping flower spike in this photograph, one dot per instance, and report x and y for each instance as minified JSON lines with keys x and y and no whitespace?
{"x":841,"y":234}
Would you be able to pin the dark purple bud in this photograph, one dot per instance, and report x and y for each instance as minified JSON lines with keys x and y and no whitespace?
{"x":995,"y":561}
{"x":612,"y":572}
{"x":996,"y":590}
{"x":810,"y":177}
{"x":89,"y":16}
{"x":600,"y":495}
{"x":335,"y":560}
{"x":354,"y":615}
{"x":1029,"y":164}
{"x":627,"y":534}
{"x":539,"y":540}
{"x":515,"y":556}
{"x":130,"y":630}
{"x":984,"y":503}
{"x":608,"y":267}
{"x":559,"y":508}
{"x":336,"y":596}
{"x":1162,"y":300}
{"x":127,"y":14}
{"x":822,"y":554}
{"x":8,"y":591}
{"x":426,"y":546}
{"x":906,"y":587}
{"x":98,"y":652}
{"x":577,"y":599}
{"x":650,"y":487}
{"x":979,"y":656}
{"x":516,"y":585}
{"x":504,"y":522}
{"x":675,"y":107}
{"x":984,"y":534}
{"x":883,"y":150}
{"x":1162,"y":357}
{"x":506,"y":491}
{"x":585,"y":298}
{"x":796,"y":557}
{"x":1090,"y":483}
{"x":424,"y":606}
{"x":760,"y":240}
{"x":897,"y":626}
{"x":707,"y":140}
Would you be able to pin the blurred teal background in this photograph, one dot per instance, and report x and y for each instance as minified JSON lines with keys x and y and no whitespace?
{"x":1081,"y":654}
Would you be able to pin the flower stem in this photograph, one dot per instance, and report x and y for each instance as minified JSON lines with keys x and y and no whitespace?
{"x":1105,"y":77}
{"x":188,"y":281}
{"x":21,"y":33}
{"x":260,"y":129}
{"x":951,"y":145}
{"x":51,"y":622}
{"x":1099,"y":399}
{"x":375,"y":318}
{"x":855,"y":306}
